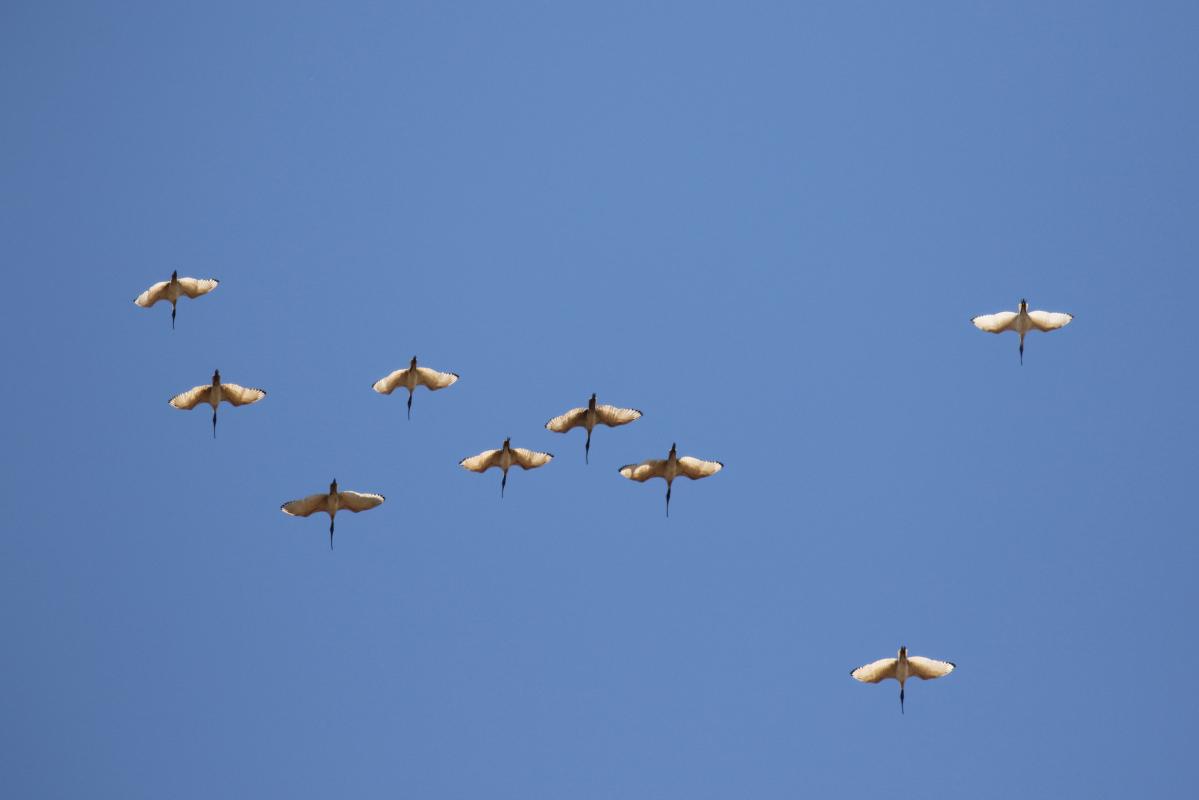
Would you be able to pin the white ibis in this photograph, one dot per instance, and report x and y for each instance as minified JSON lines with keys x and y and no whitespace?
{"x":902,"y":668}
{"x":173,"y":289}
{"x":670,"y":468}
{"x":1022,"y":321}
{"x":412,"y":377}
{"x":330,"y":503}
{"x":213,"y":393}
{"x":588,"y":418}
{"x":504,"y":458}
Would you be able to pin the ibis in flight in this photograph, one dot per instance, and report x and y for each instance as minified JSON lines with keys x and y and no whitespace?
{"x":588,"y":418}
{"x":412,"y":377}
{"x":901,"y":668}
{"x":173,"y":289}
{"x":1022,"y":321}
{"x":330,"y":503}
{"x":213,"y":393}
{"x":670,"y":468}
{"x":505,"y":458}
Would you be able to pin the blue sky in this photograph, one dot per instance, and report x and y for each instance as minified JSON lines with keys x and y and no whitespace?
{"x":765,"y":225}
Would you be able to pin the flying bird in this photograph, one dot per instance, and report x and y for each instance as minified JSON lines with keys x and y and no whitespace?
{"x":901,"y":669}
{"x":1022,"y":321}
{"x":213,"y":393}
{"x":412,"y":377}
{"x":505,"y":458}
{"x":588,"y":418}
{"x":670,"y":468}
{"x":173,"y":289}
{"x":331,"y":503}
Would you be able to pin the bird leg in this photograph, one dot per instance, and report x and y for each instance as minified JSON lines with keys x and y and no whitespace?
{"x":172,"y":316}
{"x":901,"y":698}
{"x":1022,"y":350}
{"x":587,"y":449}
{"x":331,"y":520}
{"x":409,"y":405}
{"x":503,"y":483}
{"x":668,"y":499}
{"x":214,"y":423}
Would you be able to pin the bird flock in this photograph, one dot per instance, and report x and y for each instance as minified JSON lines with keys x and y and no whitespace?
{"x":901,"y":668}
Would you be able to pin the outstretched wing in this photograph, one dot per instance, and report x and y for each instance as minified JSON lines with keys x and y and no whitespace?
{"x":152,"y":295}
{"x":530,"y":459}
{"x":995,"y":323}
{"x":1049,"y":320}
{"x":309,"y":505}
{"x":564,"y":422}
{"x":433,"y":379}
{"x":358,"y":501}
{"x":482,"y":462}
{"x":613,"y":416}
{"x":240,"y":395}
{"x":928,"y":668}
{"x":876,"y":670}
{"x":695,"y":468}
{"x":194,"y":287}
{"x":192,"y":397}
{"x":388,"y":385}
{"x":655,"y":468}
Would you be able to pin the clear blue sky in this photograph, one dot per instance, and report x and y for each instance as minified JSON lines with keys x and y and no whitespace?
{"x":765,"y":225}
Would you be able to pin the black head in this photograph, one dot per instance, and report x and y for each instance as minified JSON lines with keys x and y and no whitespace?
{"x":175,"y":275}
{"x":591,"y":402}
{"x":1023,"y":303}
{"x":412,"y":365}
{"x":672,"y":448}
{"x":216,"y":376}
{"x":333,"y":487}
{"x":507,"y":442}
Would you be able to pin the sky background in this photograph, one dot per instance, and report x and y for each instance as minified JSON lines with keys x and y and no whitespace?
{"x":765,"y":225}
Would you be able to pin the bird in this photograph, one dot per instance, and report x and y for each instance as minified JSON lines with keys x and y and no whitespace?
{"x":213,"y":393}
{"x":331,"y":503}
{"x":1022,"y":321}
{"x":670,"y":468}
{"x":412,"y":377}
{"x":588,"y":417}
{"x":504,"y":458}
{"x":902,"y":668}
{"x":173,"y":289}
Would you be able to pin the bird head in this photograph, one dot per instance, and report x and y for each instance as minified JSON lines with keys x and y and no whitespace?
{"x":1023,"y":304}
{"x":672,"y":448}
{"x":216,"y":376}
{"x":174,"y":274}
{"x":507,"y":441}
{"x":412,"y":365}
{"x":591,"y":402}
{"x":903,"y":652}
{"x":333,"y":487}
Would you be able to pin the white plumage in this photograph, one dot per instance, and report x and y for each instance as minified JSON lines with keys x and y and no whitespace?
{"x":504,"y":459}
{"x":670,"y":468}
{"x":589,"y":417}
{"x":901,"y":668}
{"x":1022,"y":321}
{"x":173,"y":289}
{"x":330,"y":503}
{"x":215,"y":392}
{"x":414,"y":376}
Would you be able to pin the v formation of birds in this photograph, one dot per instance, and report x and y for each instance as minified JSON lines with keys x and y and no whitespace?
{"x":900,"y":668}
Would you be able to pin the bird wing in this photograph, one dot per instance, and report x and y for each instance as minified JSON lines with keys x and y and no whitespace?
{"x":433,"y":379}
{"x":928,"y":668}
{"x":358,"y":501}
{"x":530,"y":459}
{"x":1049,"y":320}
{"x":995,"y":323}
{"x":642,"y":472}
{"x":388,"y":385}
{"x":876,"y":671}
{"x":194,"y":287}
{"x":152,"y":295}
{"x":192,"y":397}
{"x":613,"y":416}
{"x":240,"y":395}
{"x":564,"y":422}
{"x":695,"y":468}
{"x":482,"y":462}
{"x":309,"y":505}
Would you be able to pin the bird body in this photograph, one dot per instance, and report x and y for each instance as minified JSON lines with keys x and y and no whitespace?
{"x":901,"y":668}
{"x":1022,"y":321}
{"x":330,"y":503}
{"x":412,"y":377}
{"x":670,"y":468}
{"x":504,"y":459}
{"x":174,"y":289}
{"x":591,"y":416}
{"x":213,"y":394}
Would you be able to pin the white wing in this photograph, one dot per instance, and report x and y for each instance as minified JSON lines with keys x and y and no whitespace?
{"x":357,"y":501}
{"x":695,"y":469}
{"x":613,"y":416}
{"x":482,"y":462}
{"x":152,"y":295}
{"x":655,"y":468}
{"x":995,"y":323}
{"x":309,"y":505}
{"x":194,"y":287}
{"x":1049,"y":320}
{"x":876,"y":671}
{"x":929,"y":668}
{"x":192,"y":397}
{"x":564,"y":422}
{"x":388,"y":385}
{"x":433,"y":379}
{"x":530,"y":459}
{"x":240,"y":395}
